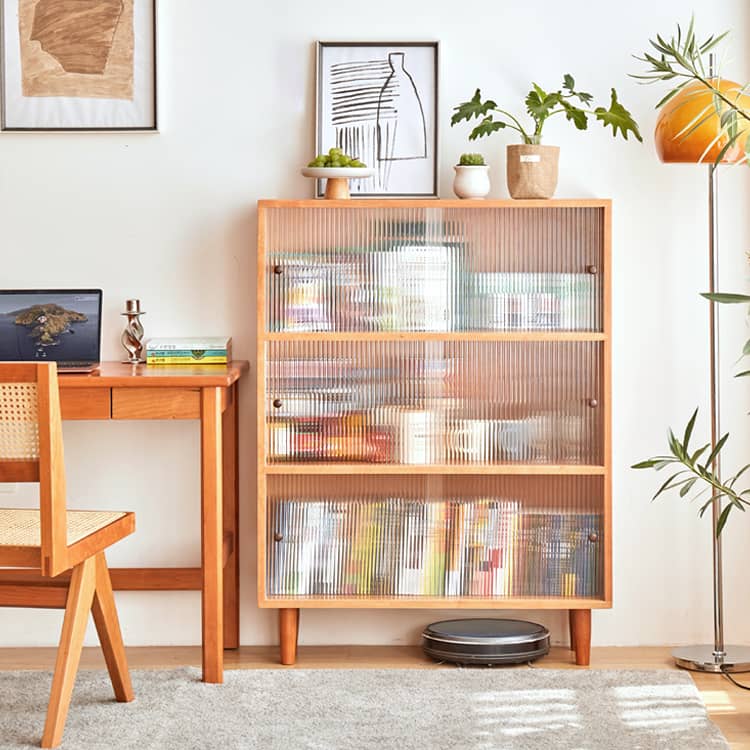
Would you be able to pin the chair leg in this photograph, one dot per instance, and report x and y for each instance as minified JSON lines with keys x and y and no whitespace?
{"x":110,"y":636}
{"x":80,"y":597}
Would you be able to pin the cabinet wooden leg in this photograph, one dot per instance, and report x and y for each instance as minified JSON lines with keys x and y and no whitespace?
{"x":580,"y":635}
{"x":288,"y":631}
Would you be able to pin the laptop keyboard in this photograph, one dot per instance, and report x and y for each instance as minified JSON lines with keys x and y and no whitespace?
{"x":66,"y":365}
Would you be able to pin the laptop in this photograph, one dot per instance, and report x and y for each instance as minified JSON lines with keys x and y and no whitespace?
{"x":52,"y":325}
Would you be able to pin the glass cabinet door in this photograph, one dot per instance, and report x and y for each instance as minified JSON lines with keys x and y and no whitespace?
{"x":434,"y":402}
{"x":448,"y":269}
{"x":489,"y":537}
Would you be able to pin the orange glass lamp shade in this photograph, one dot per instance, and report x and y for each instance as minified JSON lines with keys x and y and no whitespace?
{"x":685,"y":109}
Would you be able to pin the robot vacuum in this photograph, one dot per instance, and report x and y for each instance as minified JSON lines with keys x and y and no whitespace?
{"x":485,"y":641}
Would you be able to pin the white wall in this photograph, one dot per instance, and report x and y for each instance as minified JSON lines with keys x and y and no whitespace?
{"x":171,"y":219}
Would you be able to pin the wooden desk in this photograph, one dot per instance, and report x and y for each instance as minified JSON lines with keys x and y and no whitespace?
{"x":210,"y":394}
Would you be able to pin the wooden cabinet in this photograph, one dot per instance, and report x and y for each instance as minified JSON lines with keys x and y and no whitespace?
{"x":434,"y":407}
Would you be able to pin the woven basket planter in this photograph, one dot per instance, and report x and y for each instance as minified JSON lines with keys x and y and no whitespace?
{"x":532,"y":170}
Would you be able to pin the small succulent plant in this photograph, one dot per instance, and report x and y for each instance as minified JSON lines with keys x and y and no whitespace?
{"x":471,"y":160}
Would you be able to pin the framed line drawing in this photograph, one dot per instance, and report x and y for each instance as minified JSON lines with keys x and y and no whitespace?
{"x":78,"y":65}
{"x":378,"y":102}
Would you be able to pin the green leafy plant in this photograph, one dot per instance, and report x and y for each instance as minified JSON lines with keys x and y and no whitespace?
{"x":682,"y":58}
{"x":696,"y":472}
{"x":471,"y":160}
{"x":540,"y":106}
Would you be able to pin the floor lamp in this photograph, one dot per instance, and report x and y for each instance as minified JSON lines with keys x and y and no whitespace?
{"x":673,"y":146}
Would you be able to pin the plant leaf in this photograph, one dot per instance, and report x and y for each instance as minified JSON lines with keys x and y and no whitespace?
{"x":715,"y":452}
{"x":618,"y":118}
{"x":723,"y":516}
{"x":666,"y":484}
{"x":689,"y":431}
{"x":688,"y":486}
{"x":576,"y":115}
{"x":726,"y":299}
{"x":539,"y":104}
{"x":475,"y":107}
{"x":486,"y":127}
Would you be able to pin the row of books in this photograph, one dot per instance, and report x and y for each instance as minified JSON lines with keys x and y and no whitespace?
{"x":401,"y":547}
{"x":206,"y":350}
{"x":403,"y":435}
{"x":422,"y":287}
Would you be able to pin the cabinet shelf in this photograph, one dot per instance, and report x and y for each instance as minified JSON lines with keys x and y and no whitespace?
{"x":421,"y":469}
{"x":425,"y":602}
{"x":436,"y":336}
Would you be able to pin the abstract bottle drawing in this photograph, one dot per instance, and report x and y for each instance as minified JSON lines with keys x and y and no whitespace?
{"x":401,"y":126}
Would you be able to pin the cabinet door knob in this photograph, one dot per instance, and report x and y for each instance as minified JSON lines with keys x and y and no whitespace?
{"x":277,"y":403}
{"x":278,"y":270}
{"x":278,"y":537}
{"x":593,"y":537}
{"x":593,"y":403}
{"x":592,"y":269}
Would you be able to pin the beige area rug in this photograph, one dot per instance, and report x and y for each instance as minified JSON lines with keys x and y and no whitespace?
{"x":365,"y":709}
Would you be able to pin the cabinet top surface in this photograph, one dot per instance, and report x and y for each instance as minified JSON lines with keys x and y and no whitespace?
{"x":436,"y":203}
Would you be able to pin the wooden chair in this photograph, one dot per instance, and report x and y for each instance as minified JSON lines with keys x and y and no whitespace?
{"x":52,"y":557}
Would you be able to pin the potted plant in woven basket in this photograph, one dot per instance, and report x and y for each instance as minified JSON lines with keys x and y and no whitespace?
{"x":532,"y":167}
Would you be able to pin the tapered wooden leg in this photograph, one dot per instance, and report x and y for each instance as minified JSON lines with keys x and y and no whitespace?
{"x":110,"y":636}
{"x":212,"y":543}
{"x":231,"y":521}
{"x":580,"y":630}
{"x":288,"y":631}
{"x":80,"y":598}
{"x":570,"y":627}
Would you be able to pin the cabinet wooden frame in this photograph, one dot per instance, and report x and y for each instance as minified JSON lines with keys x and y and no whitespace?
{"x":579,"y":608}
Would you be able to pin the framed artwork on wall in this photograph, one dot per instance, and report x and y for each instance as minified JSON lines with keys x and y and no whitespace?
{"x":78,"y":65}
{"x":378,"y":102}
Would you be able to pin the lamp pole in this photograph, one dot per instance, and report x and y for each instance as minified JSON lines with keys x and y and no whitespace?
{"x":716,"y":658}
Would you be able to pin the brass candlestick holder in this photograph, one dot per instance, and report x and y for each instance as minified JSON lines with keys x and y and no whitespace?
{"x":132,"y":336}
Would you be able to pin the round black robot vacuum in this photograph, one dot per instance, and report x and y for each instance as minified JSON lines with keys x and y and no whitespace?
{"x":485,"y":641}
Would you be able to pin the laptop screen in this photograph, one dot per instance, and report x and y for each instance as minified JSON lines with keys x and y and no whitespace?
{"x":58,"y":325}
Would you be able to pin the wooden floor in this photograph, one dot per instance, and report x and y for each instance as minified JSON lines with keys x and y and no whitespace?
{"x":727,"y":705}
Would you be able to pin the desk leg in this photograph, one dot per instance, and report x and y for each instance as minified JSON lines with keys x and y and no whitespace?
{"x":231,"y":522}
{"x":211,"y":535}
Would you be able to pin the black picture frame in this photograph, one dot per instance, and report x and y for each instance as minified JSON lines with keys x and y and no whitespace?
{"x":321,"y":48}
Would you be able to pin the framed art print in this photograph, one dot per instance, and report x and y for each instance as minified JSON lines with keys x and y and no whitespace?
{"x":378,"y":102}
{"x":78,"y":65}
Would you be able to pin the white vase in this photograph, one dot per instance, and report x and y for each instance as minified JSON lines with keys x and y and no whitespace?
{"x":471,"y":182}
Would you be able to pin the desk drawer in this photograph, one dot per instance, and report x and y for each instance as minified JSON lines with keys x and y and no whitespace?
{"x":85,"y":403}
{"x":156,"y":403}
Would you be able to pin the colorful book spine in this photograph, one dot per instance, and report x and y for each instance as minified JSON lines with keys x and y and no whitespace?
{"x":214,"y":356}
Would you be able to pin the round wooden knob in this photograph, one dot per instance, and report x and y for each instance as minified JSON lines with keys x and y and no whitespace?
{"x":593,"y":537}
{"x":278,"y":537}
{"x":277,"y":403}
{"x":278,"y":270}
{"x":593,"y":403}
{"x":592,"y":269}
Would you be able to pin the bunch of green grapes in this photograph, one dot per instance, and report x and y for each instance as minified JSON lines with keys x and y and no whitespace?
{"x":335,"y":158}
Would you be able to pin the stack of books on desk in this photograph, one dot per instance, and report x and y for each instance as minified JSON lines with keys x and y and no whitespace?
{"x":203,"y":350}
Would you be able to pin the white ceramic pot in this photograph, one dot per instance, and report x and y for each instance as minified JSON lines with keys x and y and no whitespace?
{"x":471,"y":182}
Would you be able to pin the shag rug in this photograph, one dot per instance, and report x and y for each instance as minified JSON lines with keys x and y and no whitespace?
{"x":369,"y":709}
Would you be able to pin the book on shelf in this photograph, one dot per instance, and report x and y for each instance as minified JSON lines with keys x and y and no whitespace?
{"x":207,"y":350}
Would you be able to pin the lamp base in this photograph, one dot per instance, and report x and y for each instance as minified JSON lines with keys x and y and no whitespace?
{"x":704,"y":659}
